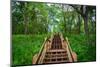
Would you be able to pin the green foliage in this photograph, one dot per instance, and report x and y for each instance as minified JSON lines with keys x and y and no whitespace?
{"x":30,"y":16}
{"x":85,"y":50}
{"x":24,"y":47}
{"x":38,"y":19}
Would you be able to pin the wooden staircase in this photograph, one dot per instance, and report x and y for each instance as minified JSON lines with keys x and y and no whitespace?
{"x":55,"y":50}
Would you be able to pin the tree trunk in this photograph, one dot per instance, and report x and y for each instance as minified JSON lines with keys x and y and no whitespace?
{"x":25,"y":20}
{"x":64,"y":18}
{"x":85,"y":18}
{"x":25,"y":24}
{"x":70,"y":24}
{"x":79,"y":23}
{"x":92,"y":27}
{"x":86,"y":24}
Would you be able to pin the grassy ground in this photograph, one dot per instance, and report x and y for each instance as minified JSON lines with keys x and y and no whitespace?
{"x":85,"y":49}
{"x":25,"y":46}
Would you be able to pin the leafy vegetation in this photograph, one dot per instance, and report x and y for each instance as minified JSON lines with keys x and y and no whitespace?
{"x":25,"y":47}
{"x":33,"y":21}
{"x":86,"y":51}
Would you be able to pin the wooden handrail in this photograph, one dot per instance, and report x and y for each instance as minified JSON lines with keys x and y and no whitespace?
{"x":67,"y":47}
{"x":70,"y":50}
{"x":41,"y":50}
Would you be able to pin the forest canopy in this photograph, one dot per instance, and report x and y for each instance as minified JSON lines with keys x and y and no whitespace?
{"x":38,"y":18}
{"x":32,"y":22}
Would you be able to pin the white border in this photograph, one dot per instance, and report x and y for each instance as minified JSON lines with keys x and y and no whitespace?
{"x":86,"y":2}
{"x":5,"y":33}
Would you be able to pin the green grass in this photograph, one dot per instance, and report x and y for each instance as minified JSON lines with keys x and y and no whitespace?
{"x":85,"y":49}
{"x":24,"y":47}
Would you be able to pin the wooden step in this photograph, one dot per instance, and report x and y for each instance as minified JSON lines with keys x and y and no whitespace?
{"x":56,"y":60}
{"x":56,"y":50}
{"x":55,"y":56}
